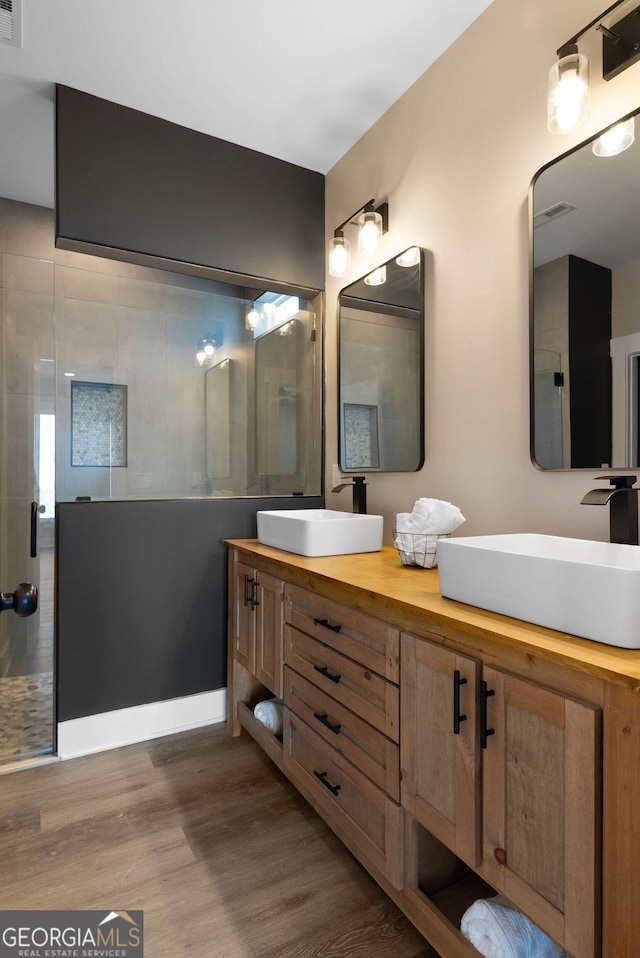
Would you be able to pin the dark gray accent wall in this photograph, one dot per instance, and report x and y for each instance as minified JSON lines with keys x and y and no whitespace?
{"x":133,"y":182}
{"x":142,"y":598}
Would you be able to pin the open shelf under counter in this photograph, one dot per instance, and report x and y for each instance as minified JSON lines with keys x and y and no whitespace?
{"x":271,"y":744}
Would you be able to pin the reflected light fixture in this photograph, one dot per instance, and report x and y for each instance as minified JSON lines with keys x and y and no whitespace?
{"x":568,"y":96}
{"x":410,"y":257}
{"x":377,"y":277}
{"x":616,"y":139}
{"x":252,"y":317}
{"x":372,"y":223}
{"x":206,"y":350}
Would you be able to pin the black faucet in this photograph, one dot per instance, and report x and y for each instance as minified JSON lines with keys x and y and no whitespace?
{"x":359,"y":493}
{"x":623,"y":507}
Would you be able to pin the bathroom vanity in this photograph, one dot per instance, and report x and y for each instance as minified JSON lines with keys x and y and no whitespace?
{"x":456,"y":752}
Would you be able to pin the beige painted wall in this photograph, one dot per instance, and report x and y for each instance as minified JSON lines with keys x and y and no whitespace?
{"x":455,"y":157}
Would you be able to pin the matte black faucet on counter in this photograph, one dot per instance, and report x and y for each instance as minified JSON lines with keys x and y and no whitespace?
{"x":623,"y":507}
{"x":359,"y":493}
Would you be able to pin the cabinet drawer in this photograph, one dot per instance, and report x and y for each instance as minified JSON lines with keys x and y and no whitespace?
{"x":368,"y":695}
{"x":369,"y":641}
{"x":367,"y":748}
{"x":360,"y":813}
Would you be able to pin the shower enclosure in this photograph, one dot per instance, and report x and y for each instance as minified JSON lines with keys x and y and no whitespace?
{"x":126,"y":382}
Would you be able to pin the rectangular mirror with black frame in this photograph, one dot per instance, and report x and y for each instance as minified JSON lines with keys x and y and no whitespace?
{"x":585,"y":305}
{"x":381,"y":368}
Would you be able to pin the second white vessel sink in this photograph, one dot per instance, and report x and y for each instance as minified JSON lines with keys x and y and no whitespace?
{"x":319,"y":532}
{"x":589,"y":589}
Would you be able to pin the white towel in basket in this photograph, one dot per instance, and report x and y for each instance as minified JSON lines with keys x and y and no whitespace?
{"x":417,"y":532}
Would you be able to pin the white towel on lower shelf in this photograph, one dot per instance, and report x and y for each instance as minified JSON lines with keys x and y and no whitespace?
{"x":498,"y":930}
{"x":269,"y":713}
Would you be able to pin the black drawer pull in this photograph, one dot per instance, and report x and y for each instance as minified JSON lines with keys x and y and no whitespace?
{"x":325,"y":721}
{"x":247,"y":597}
{"x":457,"y":718}
{"x":327,"y":625}
{"x":324,"y":670}
{"x":485,"y":693}
{"x":334,"y":789}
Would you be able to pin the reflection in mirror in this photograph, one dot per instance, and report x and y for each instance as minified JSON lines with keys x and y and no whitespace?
{"x":217,"y":414}
{"x":380,"y":363}
{"x":585,"y":315}
{"x":285,"y":434}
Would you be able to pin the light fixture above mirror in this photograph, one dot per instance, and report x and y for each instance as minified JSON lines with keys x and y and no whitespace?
{"x":372,"y":223}
{"x":568,"y":95}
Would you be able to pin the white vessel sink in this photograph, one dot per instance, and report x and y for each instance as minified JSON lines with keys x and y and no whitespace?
{"x":589,"y":589}
{"x":320,"y":532}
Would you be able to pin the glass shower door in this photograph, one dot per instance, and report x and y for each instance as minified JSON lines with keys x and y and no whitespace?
{"x":27,"y":371}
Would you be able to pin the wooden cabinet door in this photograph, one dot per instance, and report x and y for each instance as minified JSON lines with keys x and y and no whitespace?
{"x":440,"y":781}
{"x":243,"y":616}
{"x":268,"y":601}
{"x":541,"y":808}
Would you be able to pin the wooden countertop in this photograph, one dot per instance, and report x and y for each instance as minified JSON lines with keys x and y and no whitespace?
{"x":403,"y":591}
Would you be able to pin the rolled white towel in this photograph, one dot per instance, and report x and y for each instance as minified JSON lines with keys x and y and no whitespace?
{"x":498,"y":930}
{"x":404,"y":522}
{"x":438,"y":516}
{"x":270,"y":714}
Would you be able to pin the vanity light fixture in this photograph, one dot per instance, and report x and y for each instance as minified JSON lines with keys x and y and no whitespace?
{"x":339,"y":254}
{"x":372,"y":223}
{"x":568,"y":96}
{"x":615,"y":140}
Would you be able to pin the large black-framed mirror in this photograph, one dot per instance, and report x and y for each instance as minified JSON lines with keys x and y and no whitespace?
{"x":585,"y":308}
{"x":381,"y":368}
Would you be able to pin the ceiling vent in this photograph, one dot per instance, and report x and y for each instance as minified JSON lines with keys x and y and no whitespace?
{"x":11,"y":22}
{"x":551,"y":213}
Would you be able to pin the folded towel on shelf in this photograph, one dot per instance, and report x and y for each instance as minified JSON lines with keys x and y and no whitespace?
{"x":269,"y":713}
{"x":417,"y":531}
{"x":498,"y":930}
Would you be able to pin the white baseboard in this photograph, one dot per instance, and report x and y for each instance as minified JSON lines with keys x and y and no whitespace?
{"x":96,"y":733}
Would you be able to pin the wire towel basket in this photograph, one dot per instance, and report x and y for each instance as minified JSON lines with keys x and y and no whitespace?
{"x":416,"y":549}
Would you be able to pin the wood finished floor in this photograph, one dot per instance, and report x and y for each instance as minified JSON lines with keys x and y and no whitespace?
{"x":204,"y":834}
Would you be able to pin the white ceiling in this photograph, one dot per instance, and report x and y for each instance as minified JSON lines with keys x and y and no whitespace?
{"x":301,"y":80}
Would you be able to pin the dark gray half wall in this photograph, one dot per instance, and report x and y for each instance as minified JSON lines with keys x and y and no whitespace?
{"x":136,"y":183}
{"x":142,"y":598}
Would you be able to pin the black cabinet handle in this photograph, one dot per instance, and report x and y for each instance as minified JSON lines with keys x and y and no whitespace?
{"x":250,"y":587}
{"x":457,"y":718}
{"x":324,"y":670}
{"x":325,"y":721}
{"x":326,"y":624}
{"x":255,"y":585}
{"x":485,"y":693}
{"x":334,"y":789}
